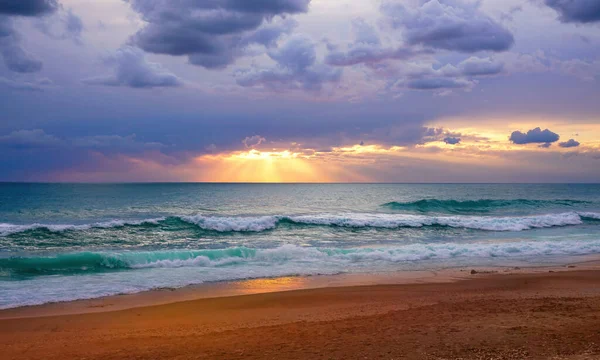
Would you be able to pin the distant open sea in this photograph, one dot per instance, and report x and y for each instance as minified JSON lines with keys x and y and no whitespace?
{"x":61,"y":242}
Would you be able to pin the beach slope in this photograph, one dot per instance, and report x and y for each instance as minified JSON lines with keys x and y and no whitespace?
{"x":552,"y":315}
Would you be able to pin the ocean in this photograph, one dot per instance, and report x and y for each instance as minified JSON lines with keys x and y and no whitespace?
{"x":61,"y":242}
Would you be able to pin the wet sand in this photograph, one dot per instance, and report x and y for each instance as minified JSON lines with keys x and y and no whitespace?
{"x":501,"y":313}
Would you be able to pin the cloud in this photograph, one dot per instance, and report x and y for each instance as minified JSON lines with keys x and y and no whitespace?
{"x":452,"y":140}
{"x":475,"y":66}
{"x":297,"y":54}
{"x":296,"y":68}
{"x":541,"y":62}
{"x":253,"y":141}
{"x":510,"y":14}
{"x":432,"y":76}
{"x":131,"y":69}
{"x":569,"y":144}
{"x":28,"y":7}
{"x":268,"y":34}
{"x":409,"y":134}
{"x":581,"y":11}
{"x":107,"y":144}
{"x":365,"y":33}
{"x":535,"y":136}
{"x":368,"y":49}
{"x":433,"y":134}
{"x":37,"y":85}
{"x":62,"y":25}
{"x":15,"y":57}
{"x":115,"y":143}
{"x":36,"y":138}
{"x":213,"y":33}
{"x":370,"y":54}
{"x":438,"y":83}
{"x":450,"y":25}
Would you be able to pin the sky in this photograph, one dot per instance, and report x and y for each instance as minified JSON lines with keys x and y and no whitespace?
{"x":300,"y":90}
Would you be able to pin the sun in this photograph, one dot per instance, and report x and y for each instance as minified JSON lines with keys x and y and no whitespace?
{"x":256,"y":166}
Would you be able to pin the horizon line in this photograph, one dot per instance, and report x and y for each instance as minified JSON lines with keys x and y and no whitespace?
{"x":287,"y":183}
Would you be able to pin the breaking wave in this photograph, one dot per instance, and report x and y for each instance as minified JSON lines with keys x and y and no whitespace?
{"x":225,"y":224}
{"x":9,"y":229}
{"x":290,"y":256}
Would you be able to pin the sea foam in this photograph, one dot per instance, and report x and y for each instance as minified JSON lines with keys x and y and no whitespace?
{"x":90,"y":262}
{"x":225,"y":224}
{"x":104,"y":273}
{"x":389,"y":221}
{"x":9,"y":229}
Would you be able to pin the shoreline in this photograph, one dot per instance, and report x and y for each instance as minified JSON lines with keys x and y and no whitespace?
{"x":165,"y":296}
{"x":539,"y":314}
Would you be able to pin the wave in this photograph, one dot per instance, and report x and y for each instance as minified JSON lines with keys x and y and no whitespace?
{"x":226,"y":224}
{"x":294,"y":257}
{"x":482,"y":205}
{"x":25,"y":281}
{"x":97,"y":261}
{"x":389,"y":221}
{"x":9,"y":229}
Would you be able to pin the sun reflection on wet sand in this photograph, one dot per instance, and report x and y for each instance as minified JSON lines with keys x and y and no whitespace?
{"x":271,"y":285}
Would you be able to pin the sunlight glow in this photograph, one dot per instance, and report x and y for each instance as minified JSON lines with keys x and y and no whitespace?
{"x":259,"y":166}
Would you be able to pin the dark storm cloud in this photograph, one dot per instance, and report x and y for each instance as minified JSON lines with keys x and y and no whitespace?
{"x":297,"y":68}
{"x":28,"y":7}
{"x":131,"y":69}
{"x":582,"y":11}
{"x":213,"y":33}
{"x":39,"y":139}
{"x":15,"y":57}
{"x":569,"y":144}
{"x":272,"y":7}
{"x":37,"y":153}
{"x":267,"y":36}
{"x":450,"y":25}
{"x":535,"y":136}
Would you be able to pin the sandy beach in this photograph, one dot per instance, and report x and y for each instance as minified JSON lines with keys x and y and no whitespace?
{"x":538,"y":313}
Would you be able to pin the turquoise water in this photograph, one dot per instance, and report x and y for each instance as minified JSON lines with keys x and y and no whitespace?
{"x":67,"y":241}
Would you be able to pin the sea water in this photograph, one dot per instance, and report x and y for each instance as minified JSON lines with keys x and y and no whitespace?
{"x":61,"y":242}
